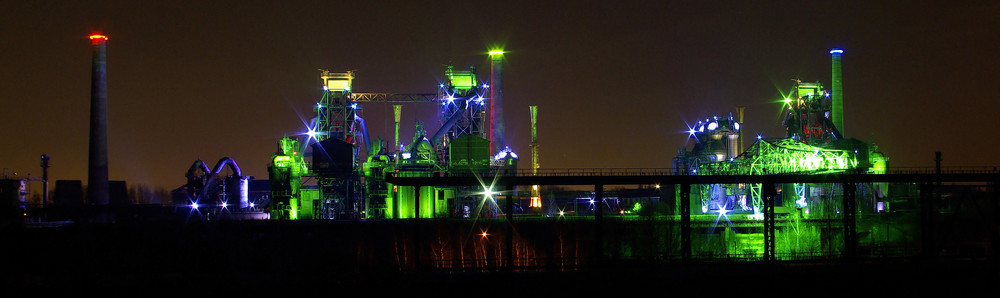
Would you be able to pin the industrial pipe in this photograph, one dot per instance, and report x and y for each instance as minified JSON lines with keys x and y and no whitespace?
{"x":462,"y":105}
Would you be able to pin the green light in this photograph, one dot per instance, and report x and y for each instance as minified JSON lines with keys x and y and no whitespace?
{"x":496,"y":53}
{"x":461,"y":80}
{"x":785,"y":156}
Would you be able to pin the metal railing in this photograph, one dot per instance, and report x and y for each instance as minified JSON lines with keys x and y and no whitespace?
{"x":570,"y":172}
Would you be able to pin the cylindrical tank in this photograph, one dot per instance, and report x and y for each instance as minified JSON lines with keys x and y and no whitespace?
{"x":237,"y":192}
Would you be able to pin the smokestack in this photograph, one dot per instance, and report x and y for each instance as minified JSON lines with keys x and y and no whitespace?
{"x":97,"y":177}
{"x":496,"y":102}
{"x":739,"y":118}
{"x":536,"y":198}
{"x":838,"y":92}
{"x":45,"y":180}
{"x":534,"y":139}
{"x":397,"y":111}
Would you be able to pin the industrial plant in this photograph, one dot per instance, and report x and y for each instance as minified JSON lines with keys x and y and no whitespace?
{"x":458,"y":198}
{"x":336,"y":170}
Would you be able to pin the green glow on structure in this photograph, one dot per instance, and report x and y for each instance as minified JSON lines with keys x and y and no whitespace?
{"x":782,"y":156}
{"x":496,"y":53}
{"x":293,"y":212}
{"x":461,"y":80}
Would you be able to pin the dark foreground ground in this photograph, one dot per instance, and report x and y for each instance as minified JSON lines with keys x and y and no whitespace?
{"x":272,"y":258}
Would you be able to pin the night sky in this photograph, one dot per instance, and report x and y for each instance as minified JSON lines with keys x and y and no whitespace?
{"x":616,"y":84}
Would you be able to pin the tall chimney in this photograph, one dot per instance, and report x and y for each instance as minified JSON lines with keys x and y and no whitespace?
{"x":534,"y":139}
{"x":397,"y":111}
{"x":496,"y":102}
{"x":838,"y":92}
{"x":739,"y":119}
{"x":45,"y":180}
{"x":97,"y":177}
{"x":536,"y":199}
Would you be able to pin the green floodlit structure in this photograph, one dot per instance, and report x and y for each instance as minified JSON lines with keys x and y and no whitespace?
{"x":286,"y":170}
{"x":807,"y":213}
{"x":337,"y":171}
{"x":701,"y":208}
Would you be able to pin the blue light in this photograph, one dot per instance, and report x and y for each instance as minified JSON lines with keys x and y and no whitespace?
{"x":736,"y":125}
{"x":194,"y":205}
{"x":837,"y":51}
{"x":801,"y":202}
{"x":224,"y":205}
{"x":354,"y":106}
{"x":441,"y":85}
{"x":486,"y":86}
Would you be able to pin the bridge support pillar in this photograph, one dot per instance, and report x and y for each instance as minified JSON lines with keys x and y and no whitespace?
{"x":599,"y":222}
{"x":927,"y":219}
{"x":509,"y":261}
{"x":416,"y":228}
{"x":768,"y":193}
{"x":850,"y":213}
{"x":685,"y":210}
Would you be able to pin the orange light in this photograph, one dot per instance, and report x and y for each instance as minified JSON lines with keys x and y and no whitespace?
{"x":98,"y":36}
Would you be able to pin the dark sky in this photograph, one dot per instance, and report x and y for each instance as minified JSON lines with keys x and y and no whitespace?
{"x":615,"y":83}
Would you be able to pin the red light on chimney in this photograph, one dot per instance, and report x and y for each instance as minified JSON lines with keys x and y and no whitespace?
{"x":98,"y":38}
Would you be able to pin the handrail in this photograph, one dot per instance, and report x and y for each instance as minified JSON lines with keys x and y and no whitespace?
{"x":563,"y":172}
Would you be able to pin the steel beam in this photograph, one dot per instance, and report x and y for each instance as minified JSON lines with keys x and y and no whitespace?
{"x":392,"y":97}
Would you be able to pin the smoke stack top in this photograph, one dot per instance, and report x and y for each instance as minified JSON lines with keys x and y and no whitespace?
{"x":98,"y":38}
